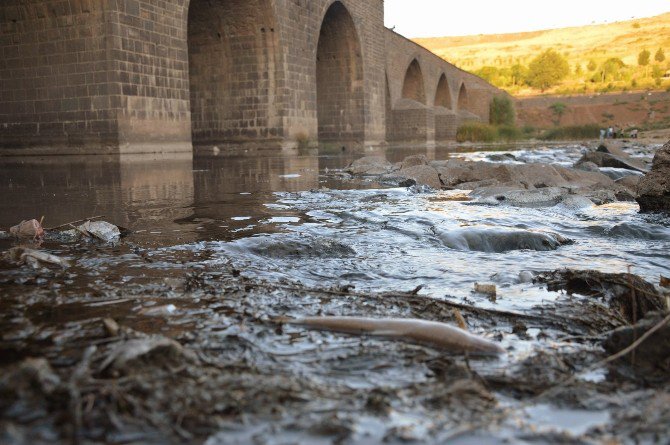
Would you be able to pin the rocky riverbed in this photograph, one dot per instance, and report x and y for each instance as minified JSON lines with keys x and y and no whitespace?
{"x":172,"y":333}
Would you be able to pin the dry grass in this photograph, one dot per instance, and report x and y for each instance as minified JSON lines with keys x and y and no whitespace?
{"x":579,"y":45}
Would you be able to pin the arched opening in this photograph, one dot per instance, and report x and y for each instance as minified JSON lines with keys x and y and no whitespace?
{"x":462,"y":98}
{"x":442,"y":94}
{"x":413,"y":86}
{"x":233,"y":71}
{"x":339,"y":78}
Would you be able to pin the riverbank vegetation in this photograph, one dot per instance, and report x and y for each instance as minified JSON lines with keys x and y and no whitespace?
{"x":502,"y":126}
{"x":482,"y":132}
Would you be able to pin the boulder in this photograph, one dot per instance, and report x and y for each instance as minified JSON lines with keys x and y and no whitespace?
{"x":609,"y":160}
{"x":631,"y":182}
{"x":496,"y":240}
{"x":423,"y":175}
{"x":587,"y":166}
{"x":468,"y":175}
{"x":413,"y":161}
{"x":653,"y":192}
{"x":613,"y":148}
{"x":370,"y":165}
{"x":545,"y":197}
{"x":523,"y":176}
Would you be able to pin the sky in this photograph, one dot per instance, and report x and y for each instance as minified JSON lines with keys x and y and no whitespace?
{"x":437,"y":18}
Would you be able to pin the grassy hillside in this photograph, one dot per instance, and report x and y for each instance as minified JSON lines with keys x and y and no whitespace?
{"x":494,"y":56}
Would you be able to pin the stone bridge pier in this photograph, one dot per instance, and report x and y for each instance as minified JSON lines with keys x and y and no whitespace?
{"x":137,"y":76}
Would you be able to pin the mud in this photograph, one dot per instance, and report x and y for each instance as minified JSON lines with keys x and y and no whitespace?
{"x":170,"y":337}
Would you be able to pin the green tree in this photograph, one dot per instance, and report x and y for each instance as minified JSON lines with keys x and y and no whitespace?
{"x":659,"y":56}
{"x":611,"y":69}
{"x":488,"y":73}
{"x":592,"y":65}
{"x":547,"y":70}
{"x":578,"y":69}
{"x":519,"y":74}
{"x":502,"y":111}
{"x":558,"y":108}
{"x":643,"y":57}
{"x":643,"y":60}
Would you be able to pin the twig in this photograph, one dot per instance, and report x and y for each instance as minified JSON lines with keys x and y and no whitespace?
{"x":612,"y":358}
{"x":632,"y":347}
{"x":86,"y":233}
{"x":75,"y":222}
{"x":75,"y":393}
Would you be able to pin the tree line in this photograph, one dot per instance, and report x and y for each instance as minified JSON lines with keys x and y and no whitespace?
{"x":550,"y":68}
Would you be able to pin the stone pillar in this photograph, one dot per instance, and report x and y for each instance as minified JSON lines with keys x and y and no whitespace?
{"x":57,"y":92}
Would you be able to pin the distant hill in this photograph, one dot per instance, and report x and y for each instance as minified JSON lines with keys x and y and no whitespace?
{"x":579,"y":45}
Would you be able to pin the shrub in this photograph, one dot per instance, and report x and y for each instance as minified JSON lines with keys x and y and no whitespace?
{"x":558,"y":109}
{"x":476,"y":132}
{"x":509,"y":133}
{"x":528,"y":130}
{"x":502,"y":111}
{"x":589,"y":131}
{"x":303,"y":140}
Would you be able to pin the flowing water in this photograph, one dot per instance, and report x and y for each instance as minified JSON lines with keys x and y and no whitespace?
{"x":292,"y":220}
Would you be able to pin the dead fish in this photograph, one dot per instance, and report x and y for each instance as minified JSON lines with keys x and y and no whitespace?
{"x":28,"y":229}
{"x":34,"y":258}
{"x":439,"y":335}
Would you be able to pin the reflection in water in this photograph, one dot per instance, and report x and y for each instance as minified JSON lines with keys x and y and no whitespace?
{"x":232,"y":194}
{"x":165,"y":200}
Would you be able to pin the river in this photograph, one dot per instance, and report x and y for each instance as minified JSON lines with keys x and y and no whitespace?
{"x":297,"y":222}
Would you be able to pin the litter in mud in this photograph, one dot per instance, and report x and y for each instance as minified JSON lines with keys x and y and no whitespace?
{"x":490,"y":290}
{"x":28,"y":229}
{"x":34,"y":258}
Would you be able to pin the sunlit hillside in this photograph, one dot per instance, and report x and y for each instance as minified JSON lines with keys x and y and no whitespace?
{"x":585,"y":48}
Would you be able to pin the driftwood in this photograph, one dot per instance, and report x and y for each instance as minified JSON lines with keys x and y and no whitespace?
{"x":439,"y":335}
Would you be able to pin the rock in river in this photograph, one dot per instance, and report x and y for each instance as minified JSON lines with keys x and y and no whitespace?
{"x":612,"y":157}
{"x":499,"y":240}
{"x":370,"y":165}
{"x":654,"y":189}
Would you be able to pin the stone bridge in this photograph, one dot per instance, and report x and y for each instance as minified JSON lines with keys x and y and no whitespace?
{"x":131,"y":76}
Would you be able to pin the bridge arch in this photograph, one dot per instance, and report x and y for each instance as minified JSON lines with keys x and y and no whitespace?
{"x":413,"y":86}
{"x":463,"y":102}
{"x":234,"y":69}
{"x":339,"y":78}
{"x":442,"y":93}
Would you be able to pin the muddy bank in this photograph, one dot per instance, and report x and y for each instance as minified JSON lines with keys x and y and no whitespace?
{"x":218,"y":369}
